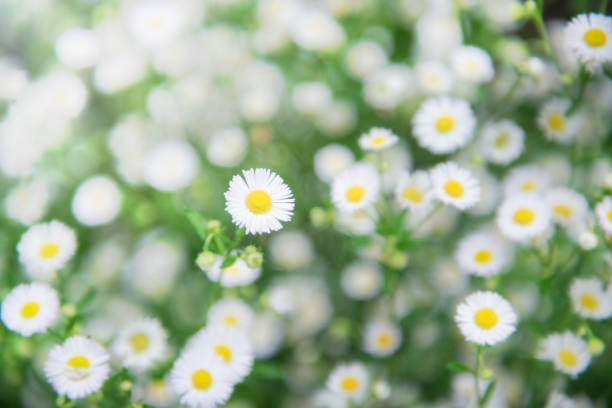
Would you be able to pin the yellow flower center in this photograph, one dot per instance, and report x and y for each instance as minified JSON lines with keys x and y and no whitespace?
{"x":233,"y":269}
{"x":610,"y":214}
{"x":49,"y":250}
{"x":502,"y":140}
{"x":486,"y":318}
{"x":30,"y":310}
{"x":445,"y":123}
{"x":201,"y":379}
{"x":78,"y":361}
{"x":528,"y":185}
{"x":355,"y":194}
{"x":563,"y":211}
{"x":140,"y":342}
{"x":556,"y":121}
{"x":258,"y":202}
{"x":412,"y":194}
{"x":384,"y":340}
{"x":483,"y":256}
{"x":568,"y":357}
{"x":589,"y":301}
{"x":224,"y":351}
{"x":523,"y":216}
{"x":378,"y":140}
{"x":595,"y":37}
{"x":231,"y":320}
{"x":349,"y":384}
{"x":453,"y":188}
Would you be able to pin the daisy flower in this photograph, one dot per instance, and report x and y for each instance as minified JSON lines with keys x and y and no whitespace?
{"x":589,"y":37}
{"x":483,"y":254}
{"x":233,"y":313}
{"x":267,"y":334}
{"x":568,"y":352}
{"x":433,"y":77}
{"x":589,"y":298}
{"x":78,"y":367}
{"x":556,"y":124}
{"x":171,"y":165}
{"x":603,"y":210}
{"x":45,"y":248}
{"x":472,"y":64}
{"x":140,"y":344}
{"x":502,"y":142}
{"x":455,"y":185}
{"x":97,"y":201}
{"x":381,"y":338}
{"x":236,"y":274}
{"x":377,"y":139}
{"x":486,"y":318}
{"x":566,"y":205}
{"x":414,"y":190}
{"x":30,"y":308}
{"x":355,"y":188}
{"x":528,"y":178}
{"x":349,"y":381}
{"x":259,"y":201}
{"x":331,"y":160}
{"x":362,"y":280}
{"x":523,"y":216}
{"x":443,"y":124}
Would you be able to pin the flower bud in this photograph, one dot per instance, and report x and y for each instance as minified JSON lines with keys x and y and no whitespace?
{"x":206,"y":259}
{"x":596,"y":346}
{"x":398,"y":260}
{"x":607,"y":181}
{"x":213,"y":226}
{"x":69,"y":310}
{"x":486,"y":373}
{"x":318,"y":217}
{"x":253,"y":259}
{"x":250,"y":249}
{"x":125,"y":386}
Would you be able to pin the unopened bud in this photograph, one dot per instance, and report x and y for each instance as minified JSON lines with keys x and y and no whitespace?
{"x":398,"y":260}
{"x":530,"y":6}
{"x":486,"y":373}
{"x":254,"y":259}
{"x":206,"y":259}
{"x":250,"y":249}
{"x":596,"y":346}
{"x":582,"y":330}
{"x":213,"y":226}
{"x":126,"y":386}
{"x":566,"y":79}
{"x":318,"y":217}
{"x":69,"y":310}
{"x":607,"y":181}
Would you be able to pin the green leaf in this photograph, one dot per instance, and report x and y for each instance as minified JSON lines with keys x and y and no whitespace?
{"x":228,"y":261}
{"x":267,"y":370}
{"x":457,"y":366}
{"x":198,"y":222}
{"x":487,"y":394}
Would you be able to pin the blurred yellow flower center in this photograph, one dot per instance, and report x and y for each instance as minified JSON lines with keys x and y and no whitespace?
{"x":224,"y":351}
{"x":556,"y":121}
{"x":486,"y":318}
{"x":589,"y":301}
{"x":502,"y":140}
{"x":412,"y":194}
{"x":445,"y":123}
{"x":523,"y":216}
{"x":49,"y":250}
{"x":384,"y":339}
{"x":528,"y":185}
{"x":231,"y":320}
{"x":349,"y":384}
{"x":563,"y":210}
{"x":568,"y":357}
{"x":378,"y":140}
{"x":78,"y":362}
{"x":140,"y":342}
{"x":355,"y":194}
{"x":233,"y":269}
{"x":483,"y":256}
{"x":29,"y":310}
{"x":453,"y":188}
{"x":610,"y":214}
{"x":595,"y":37}
{"x":258,"y":202}
{"x":201,"y":379}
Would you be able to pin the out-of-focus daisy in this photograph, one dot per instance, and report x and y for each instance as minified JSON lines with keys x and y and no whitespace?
{"x":96,"y":201}
{"x":227,"y":147}
{"x":349,"y":381}
{"x":502,"y":142}
{"x":45,"y":248}
{"x":317,"y":30}
{"x":140,"y":344}
{"x":568,"y":352}
{"x":472,"y":64}
{"x":483,"y":253}
{"x":236,"y":274}
{"x":30,"y":308}
{"x":155,"y":23}
{"x":364,"y":58}
{"x":603,"y":210}
{"x":489,"y":191}
{"x":266,"y":335}
{"x":259,"y":201}
{"x":414,"y":190}
{"x":442,"y":125}
{"x":77,"y":48}
{"x":389,"y":86}
{"x":27,"y":203}
{"x":528,"y":178}
{"x":566,"y":205}
{"x":171,"y":165}
{"x":434,"y":77}
{"x":331,"y":160}
{"x":362,"y":280}
{"x":455,"y":185}
{"x":355,"y":188}
{"x":523,"y":216}
{"x":589,"y":298}
{"x":291,"y":249}
{"x":377,"y":139}
{"x":78,"y":367}
{"x":233,"y":313}
{"x":486,"y":318}
{"x":310,"y":98}
{"x":381,"y":338}
{"x":589,"y":37}
{"x":555,"y":122}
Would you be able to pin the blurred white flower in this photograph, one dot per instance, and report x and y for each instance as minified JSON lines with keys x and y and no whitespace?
{"x":77,"y":48}
{"x":171,"y":165}
{"x":96,"y":201}
{"x":27,"y":203}
{"x":316,"y":30}
{"x":227,"y":147}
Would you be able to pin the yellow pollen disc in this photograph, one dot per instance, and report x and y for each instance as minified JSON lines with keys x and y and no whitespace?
{"x":378,"y":140}
{"x":528,"y":186}
{"x":201,"y":379}
{"x":502,"y":140}
{"x":30,"y":310}
{"x":355,"y":194}
{"x":568,"y":357}
{"x":523,"y":216}
{"x":384,"y":340}
{"x":483,"y":256}
{"x":453,"y":188}
{"x":258,"y":202}
{"x":233,"y":269}
{"x":610,"y":214}
{"x":556,"y":121}
{"x":49,"y":250}
{"x":231,"y":320}
{"x":595,"y":37}
{"x":563,"y":211}
{"x":78,"y":362}
{"x":349,"y":384}
{"x":588,"y":301}
{"x":412,"y":194}
{"x":140,"y":342}
{"x":445,"y":123}
{"x":224,"y":351}
{"x":486,"y":318}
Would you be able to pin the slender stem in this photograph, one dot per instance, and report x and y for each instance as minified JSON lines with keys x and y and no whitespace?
{"x":428,"y":217}
{"x":476,"y":374}
{"x":604,"y":6}
{"x":539,"y":22}
{"x":379,"y":165}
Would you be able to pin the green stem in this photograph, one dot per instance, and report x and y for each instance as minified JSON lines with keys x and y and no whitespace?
{"x":476,"y":374}
{"x":428,"y":217}
{"x":383,"y":197}
{"x":603,"y":7}
{"x":541,"y":27}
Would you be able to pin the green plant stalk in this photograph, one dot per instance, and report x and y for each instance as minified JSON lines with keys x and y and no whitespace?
{"x":476,"y":374}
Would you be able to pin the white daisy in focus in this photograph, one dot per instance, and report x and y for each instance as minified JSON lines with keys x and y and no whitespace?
{"x":486,"y":318}
{"x":78,"y":367}
{"x":30,"y":308}
{"x":603,"y":210}
{"x":472,"y":64}
{"x":443,"y":124}
{"x":502,"y":142}
{"x":140,"y":344}
{"x":45,"y":248}
{"x":523,"y":217}
{"x":566,"y":205}
{"x":362,"y":280}
{"x":97,"y":201}
{"x":331,"y":160}
{"x":414,"y":190}
{"x":377,"y":139}
{"x":349,"y":381}
{"x":589,"y":37}
{"x":233,"y":313}
{"x":236,"y":274}
{"x":483,"y":253}
{"x":171,"y":165}
{"x":527,"y":178}
{"x":554,"y":121}
{"x":381,"y":338}
{"x":568,"y":352}
{"x":27,"y":203}
{"x":589,"y":298}
{"x":355,"y":188}
{"x":259,"y":201}
{"x":455,"y":185}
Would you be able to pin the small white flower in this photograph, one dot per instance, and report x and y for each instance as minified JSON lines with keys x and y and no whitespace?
{"x":355,"y":188}
{"x":502,"y":142}
{"x":483,"y":253}
{"x":236,"y":274}
{"x":603,"y":210}
{"x":331,"y":160}
{"x":414,"y":190}
{"x":96,"y":201}
{"x":455,"y":185}
{"x":171,"y":165}
{"x":568,"y":352}
{"x":317,"y":30}
{"x":30,"y":308}
{"x":566,"y":205}
{"x":310,"y":98}
{"x":266,"y":335}
{"x":528,"y":178}
{"x":555,"y":122}
{"x":589,"y":37}
{"x":77,"y":48}
{"x":155,"y":23}
{"x":349,"y":381}
{"x":381,"y":338}
{"x":389,"y":86}
{"x":523,"y":217}
{"x":377,"y":139}
{"x":140,"y":344}
{"x":434,"y":77}
{"x":364,"y":58}
{"x":233,"y":313}
{"x":27,"y":203}
{"x":589,"y":298}
{"x":291,"y":249}
{"x":362,"y":280}
{"x":472,"y":64}
{"x":227,"y":148}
